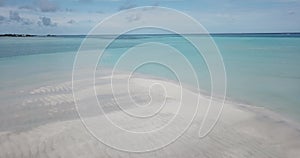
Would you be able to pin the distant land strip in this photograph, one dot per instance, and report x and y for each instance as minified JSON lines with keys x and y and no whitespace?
{"x":283,"y":34}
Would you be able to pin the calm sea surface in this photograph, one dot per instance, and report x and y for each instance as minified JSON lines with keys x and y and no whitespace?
{"x":261,"y":70}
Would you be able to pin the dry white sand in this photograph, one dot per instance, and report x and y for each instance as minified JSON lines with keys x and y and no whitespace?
{"x":43,"y":123}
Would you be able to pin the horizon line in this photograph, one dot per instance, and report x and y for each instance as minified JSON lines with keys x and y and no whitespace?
{"x":224,"y":33}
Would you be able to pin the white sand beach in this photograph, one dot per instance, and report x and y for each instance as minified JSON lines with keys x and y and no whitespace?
{"x":44,"y":123}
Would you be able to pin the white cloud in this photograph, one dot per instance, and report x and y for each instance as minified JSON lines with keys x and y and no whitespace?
{"x":45,"y":21}
{"x":2,"y":19}
{"x":47,"y":6}
{"x":127,"y":5}
{"x":28,"y":7}
{"x":15,"y":17}
{"x":71,"y":21}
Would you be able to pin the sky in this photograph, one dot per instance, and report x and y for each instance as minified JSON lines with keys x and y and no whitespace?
{"x":80,"y":16}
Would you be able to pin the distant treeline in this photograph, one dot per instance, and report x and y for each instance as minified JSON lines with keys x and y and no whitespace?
{"x":16,"y":35}
{"x":23,"y":35}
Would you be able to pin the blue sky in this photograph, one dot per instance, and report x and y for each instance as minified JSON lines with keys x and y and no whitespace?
{"x":79,"y":16}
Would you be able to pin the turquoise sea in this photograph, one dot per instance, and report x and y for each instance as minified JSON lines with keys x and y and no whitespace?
{"x":262,"y":69}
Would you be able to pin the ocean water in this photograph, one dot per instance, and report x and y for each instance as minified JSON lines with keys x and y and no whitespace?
{"x":262,"y":70}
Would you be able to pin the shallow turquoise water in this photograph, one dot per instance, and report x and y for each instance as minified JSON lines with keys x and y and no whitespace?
{"x":262,"y":71}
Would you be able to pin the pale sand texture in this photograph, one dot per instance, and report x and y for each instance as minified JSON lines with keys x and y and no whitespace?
{"x":44,"y":123}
